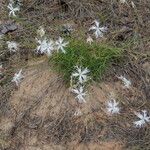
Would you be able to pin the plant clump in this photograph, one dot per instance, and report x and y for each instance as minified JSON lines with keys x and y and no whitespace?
{"x":96,"y":57}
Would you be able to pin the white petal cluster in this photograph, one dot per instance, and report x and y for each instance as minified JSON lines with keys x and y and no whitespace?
{"x":126,"y":82}
{"x":60,"y":45}
{"x":81,"y":74}
{"x":80,"y":94}
{"x":50,"y":48}
{"x":98,"y":31}
{"x":12,"y":46}
{"x":79,"y":78}
{"x":12,"y":8}
{"x":17,"y":77}
{"x":112,"y":107}
{"x":42,"y":45}
{"x":144,"y":118}
{"x":45,"y":46}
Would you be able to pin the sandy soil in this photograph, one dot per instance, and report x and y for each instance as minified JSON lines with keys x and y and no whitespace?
{"x":43,"y":95}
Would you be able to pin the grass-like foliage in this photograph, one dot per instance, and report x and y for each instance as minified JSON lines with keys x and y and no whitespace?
{"x":96,"y":57}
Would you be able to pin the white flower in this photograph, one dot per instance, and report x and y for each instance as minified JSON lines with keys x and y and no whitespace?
{"x":41,"y":48}
{"x":112,"y":107}
{"x":98,"y":31}
{"x":143,"y":119}
{"x":17,"y":77}
{"x":127,"y":83}
{"x":89,"y":40}
{"x":45,"y":46}
{"x":80,"y":94}
{"x":41,"y":31}
{"x":81,"y":74}
{"x":12,"y":46}
{"x":1,"y":68}
{"x":60,"y":44}
{"x":12,"y":10}
{"x":50,"y":48}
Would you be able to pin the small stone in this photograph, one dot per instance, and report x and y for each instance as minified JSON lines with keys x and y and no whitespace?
{"x":7,"y":27}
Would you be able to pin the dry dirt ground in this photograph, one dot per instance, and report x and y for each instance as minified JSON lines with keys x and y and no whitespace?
{"x":43,"y":114}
